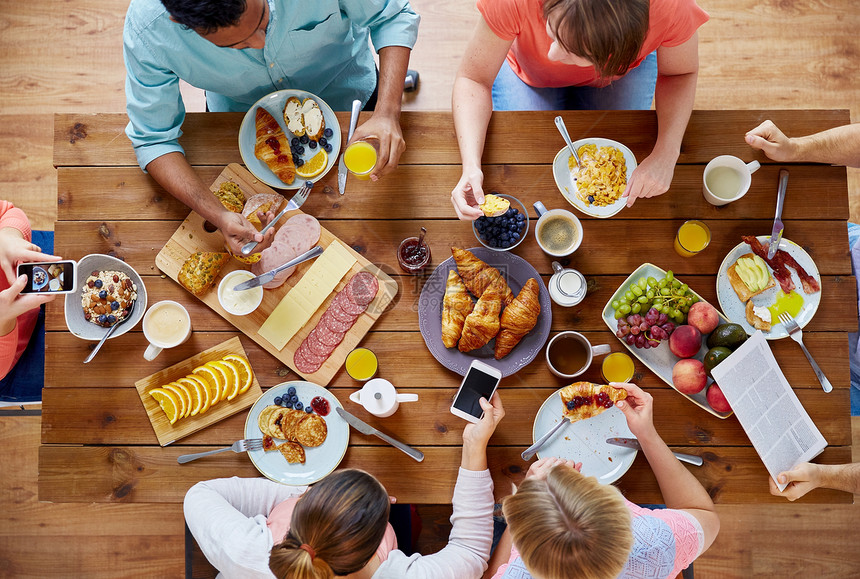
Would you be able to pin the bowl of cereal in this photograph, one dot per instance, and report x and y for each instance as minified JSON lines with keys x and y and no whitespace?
{"x":595,"y":189}
{"x":109,"y":292}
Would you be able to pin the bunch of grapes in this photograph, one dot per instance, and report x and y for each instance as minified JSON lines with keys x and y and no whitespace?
{"x":645,"y":331}
{"x":667,"y":295}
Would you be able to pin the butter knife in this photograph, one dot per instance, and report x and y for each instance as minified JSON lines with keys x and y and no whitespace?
{"x":365,"y":428}
{"x":776,"y":232}
{"x":270,"y":275}
{"x":341,"y":166}
{"x":633,"y":443}
{"x":532,"y":450}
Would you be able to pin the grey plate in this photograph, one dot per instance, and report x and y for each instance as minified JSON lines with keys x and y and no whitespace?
{"x":517,"y":271}
{"x":75,"y":321}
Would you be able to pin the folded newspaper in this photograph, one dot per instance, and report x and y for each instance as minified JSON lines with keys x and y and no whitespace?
{"x":773,"y":418}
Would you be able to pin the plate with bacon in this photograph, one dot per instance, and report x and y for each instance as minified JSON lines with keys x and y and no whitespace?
{"x":752,"y":289}
{"x":594,"y":418}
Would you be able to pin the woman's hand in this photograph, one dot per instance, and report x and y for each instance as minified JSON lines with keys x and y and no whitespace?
{"x":13,"y":303}
{"x":386,"y":130}
{"x":651,"y":178}
{"x":468,"y":194}
{"x":637,"y":409}
{"x":477,"y":435}
{"x":238,"y":231}
{"x":539,"y":469}
{"x":14,"y":249}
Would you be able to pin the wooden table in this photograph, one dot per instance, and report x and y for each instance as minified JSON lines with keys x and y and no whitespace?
{"x":98,"y":445}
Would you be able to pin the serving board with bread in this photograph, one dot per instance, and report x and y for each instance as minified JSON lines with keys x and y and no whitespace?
{"x":311,"y":320}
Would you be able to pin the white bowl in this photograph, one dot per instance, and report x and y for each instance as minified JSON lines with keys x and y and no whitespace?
{"x":254,"y":295}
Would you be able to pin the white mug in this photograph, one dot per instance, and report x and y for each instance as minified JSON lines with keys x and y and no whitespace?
{"x":736,"y":177}
{"x":166,"y":325}
{"x":544,"y":215}
{"x":380,"y":398}
{"x":590,"y":352}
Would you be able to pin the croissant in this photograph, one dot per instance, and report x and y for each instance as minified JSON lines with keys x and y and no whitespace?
{"x":478,"y":276}
{"x":482,"y":324}
{"x":455,"y":307}
{"x":519,"y":318}
{"x":272,"y":147}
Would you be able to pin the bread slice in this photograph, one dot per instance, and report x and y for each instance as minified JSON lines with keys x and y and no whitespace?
{"x":755,"y":321}
{"x":200,"y":271}
{"x":293,"y":116}
{"x":744,"y":293}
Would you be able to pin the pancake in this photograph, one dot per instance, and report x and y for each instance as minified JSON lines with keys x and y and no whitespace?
{"x":291,"y":423}
{"x":312,"y":431}
{"x":263,"y":419}
{"x":293,"y":452}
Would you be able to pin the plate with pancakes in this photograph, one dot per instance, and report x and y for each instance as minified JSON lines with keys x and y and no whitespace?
{"x":299,"y":447}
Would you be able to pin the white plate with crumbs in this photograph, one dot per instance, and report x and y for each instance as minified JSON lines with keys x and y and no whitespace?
{"x":561,"y":174}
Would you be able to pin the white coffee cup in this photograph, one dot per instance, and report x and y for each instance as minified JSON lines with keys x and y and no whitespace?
{"x":380,"y":398}
{"x":580,"y":346}
{"x":727,"y":178}
{"x":166,"y":325}
{"x":567,"y":235}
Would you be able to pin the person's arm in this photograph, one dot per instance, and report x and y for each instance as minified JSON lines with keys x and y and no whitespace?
{"x":837,"y":146}
{"x":680,"y":489}
{"x":808,"y":476}
{"x":472,"y":104}
{"x":674,"y":95}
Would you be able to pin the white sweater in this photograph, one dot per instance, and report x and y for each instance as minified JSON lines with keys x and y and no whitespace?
{"x":228,"y":519}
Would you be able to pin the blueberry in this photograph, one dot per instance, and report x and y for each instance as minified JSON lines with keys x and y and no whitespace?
{"x":103,"y":294}
{"x":327,"y":148}
{"x":291,"y":390}
{"x":294,"y":141}
{"x":521,"y":217}
{"x":277,"y":401}
{"x":304,"y":139}
{"x":111,"y":319}
{"x":102,"y":319}
{"x":114,"y":306}
{"x":294,"y":398}
{"x":514,"y":211}
{"x":591,"y":198}
{"x":570,"y":405}
{"x":515,"y":236}
{"x":300,"y":150}
{"x":308,"y":409}
{"x":285,"y":403}
{"x":312,"y":145}
{"x":328,"y":133}
{"x":323,"y":141}
{"x":98,"y":283}
{"x":295,"y":157}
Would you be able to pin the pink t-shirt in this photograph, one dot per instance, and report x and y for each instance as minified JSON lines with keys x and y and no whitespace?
{"x":671,"y":23}
{"x":665,"y":541}
{"x":279,"y":520}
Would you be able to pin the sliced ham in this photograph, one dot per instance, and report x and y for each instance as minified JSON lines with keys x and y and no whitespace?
{"x":299,"y":234}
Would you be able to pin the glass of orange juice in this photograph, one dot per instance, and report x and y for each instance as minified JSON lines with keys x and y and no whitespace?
{"x":361,"y":364}
{"x":360,"y":158}
{"x":617,"y":367}
{"x":693,"y":236}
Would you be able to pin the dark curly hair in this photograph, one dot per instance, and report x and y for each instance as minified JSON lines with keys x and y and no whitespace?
{"x":206,"y":16}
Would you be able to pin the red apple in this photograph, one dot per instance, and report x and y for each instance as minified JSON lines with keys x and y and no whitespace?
{"x":689,"y":376}
{"x":703,"y":316}
{"x":717,"y":399}
{"x":685,"y":341}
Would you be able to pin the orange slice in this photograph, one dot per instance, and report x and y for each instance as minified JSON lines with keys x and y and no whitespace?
{"x":222,"y":372}
{"x":232,"y":375}
{"x":182,"y":395}
{"x":313,"y":166}
{"x":202,"y":392}
{"x":168,"y":402}
{"x":246,"y":375}
{"x":214,"y":380}
{"x":195,"y":392}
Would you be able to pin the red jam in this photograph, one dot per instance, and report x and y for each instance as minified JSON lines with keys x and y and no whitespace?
{"x":413,"y":256}
{"x":320,"y":405}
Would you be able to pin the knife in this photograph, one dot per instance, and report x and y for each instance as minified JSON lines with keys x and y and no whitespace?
{"x":633,"y":443}
{"x":365,"y":428}
{"x":341,"y":166}
{"x":270,"y":275}
{"x":776,"y":232}
{"x":532,"y":450}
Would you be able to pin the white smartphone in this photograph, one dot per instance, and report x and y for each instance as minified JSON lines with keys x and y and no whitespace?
{"x":53,"y":277}
{"x":481,"y":381}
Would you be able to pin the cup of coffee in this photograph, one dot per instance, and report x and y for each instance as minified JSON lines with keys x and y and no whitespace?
{"x":727,"y":179}
{"x":166,"y":325}
{"x":558,"y":231}
{"x":569,"y":354}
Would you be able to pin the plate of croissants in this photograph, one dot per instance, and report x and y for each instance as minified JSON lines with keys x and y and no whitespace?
{"x":484,"y":304}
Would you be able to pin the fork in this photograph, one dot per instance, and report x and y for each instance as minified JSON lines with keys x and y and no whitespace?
{"x":295,"y":202}
{"x":238,"y":446}
{"x":797,"y":335}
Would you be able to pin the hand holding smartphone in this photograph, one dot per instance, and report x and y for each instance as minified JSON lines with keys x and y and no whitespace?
{"x":49,"y":277}
{"x":481,"y":381}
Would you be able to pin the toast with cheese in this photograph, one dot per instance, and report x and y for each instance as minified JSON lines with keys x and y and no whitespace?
{"x":741,"y":289}
{"x":755,"y":320}
{"x":304,"y":118}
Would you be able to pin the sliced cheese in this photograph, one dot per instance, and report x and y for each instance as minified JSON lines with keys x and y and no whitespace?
{"x":305,"y":298}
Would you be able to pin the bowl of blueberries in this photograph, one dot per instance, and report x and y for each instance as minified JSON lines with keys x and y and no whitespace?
{"x":506,"y":231}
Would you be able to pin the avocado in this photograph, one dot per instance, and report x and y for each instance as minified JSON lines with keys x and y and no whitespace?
{"x":714,"y":357}
{"x":727,"y":335}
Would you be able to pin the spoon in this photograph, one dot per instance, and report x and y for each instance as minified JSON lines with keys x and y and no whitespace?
{"x":105,"y":337}
{"x":417,"y":248}
{"x":559,"y":123}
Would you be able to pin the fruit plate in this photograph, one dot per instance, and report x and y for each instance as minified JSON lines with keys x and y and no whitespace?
{"x":585,"y":440}
{"x":735,"y":310}
{"x":320,"y":460}
{"x":168,"y":433}
{"x":561,"y":174}
{"x":275,"y":103}
{"x":661,"y":360}
{"x":517,"y":272}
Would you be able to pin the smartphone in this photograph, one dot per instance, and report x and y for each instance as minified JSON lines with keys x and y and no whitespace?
{"x":481,"y":381}
{"x":54,"y":277}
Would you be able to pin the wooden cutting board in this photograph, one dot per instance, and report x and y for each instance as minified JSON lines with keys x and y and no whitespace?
{"x":192,"y":237}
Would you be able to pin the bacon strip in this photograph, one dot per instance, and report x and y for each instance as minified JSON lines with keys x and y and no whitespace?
{"x":809,"y":283}
{"x":780,"y":263}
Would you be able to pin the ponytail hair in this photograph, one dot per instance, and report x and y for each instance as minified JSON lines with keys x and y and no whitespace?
{"x":336,"y":528}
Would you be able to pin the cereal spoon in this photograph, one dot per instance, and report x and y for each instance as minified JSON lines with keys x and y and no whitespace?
{"x":559,"y":123}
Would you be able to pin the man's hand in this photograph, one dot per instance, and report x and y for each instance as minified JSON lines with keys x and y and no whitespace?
{"x":238,"y":231}
{"x":13,"y":303}
{"x":468,"y":194}
{"x":801,"y":479}
{"x":385,"y":129}
{"x":772,"y":141}
{"x":15,"y":249}
{"x":651,"y":178}
{"x":539,"y":469}
{"x":637,"y":409}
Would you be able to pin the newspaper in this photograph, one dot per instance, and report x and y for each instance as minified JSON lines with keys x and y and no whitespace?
{"x":773,"y":418}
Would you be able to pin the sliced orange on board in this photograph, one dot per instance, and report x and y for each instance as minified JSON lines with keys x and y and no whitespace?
{"x":246,"y":375}
{"x":168,"y":402}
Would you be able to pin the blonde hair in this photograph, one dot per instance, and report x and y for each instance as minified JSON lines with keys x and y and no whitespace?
{"x":336,"y":528}
{"x":569,"y":526}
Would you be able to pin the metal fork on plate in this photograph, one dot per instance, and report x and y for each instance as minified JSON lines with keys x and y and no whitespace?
{"x":295,"y":202}
{"x":238,"y":446}
{"x":797,"y":335}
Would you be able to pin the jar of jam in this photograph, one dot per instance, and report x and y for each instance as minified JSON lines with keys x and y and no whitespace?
{"x":413,"y":255}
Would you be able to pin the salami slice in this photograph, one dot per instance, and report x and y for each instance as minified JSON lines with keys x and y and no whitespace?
{"x":362,"y":288}
{"x":349,"y":306}
{"x":306,"y":361}
{"x":338,"y":309}
{"x":336,"y":325}
{"x":316,"y":347}
{"x":327,"y":336}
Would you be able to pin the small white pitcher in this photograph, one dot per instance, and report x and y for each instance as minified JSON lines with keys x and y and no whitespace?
{"x":380,"y":398}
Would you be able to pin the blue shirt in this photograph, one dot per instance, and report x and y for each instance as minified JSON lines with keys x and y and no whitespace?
{"x":320,"y":46}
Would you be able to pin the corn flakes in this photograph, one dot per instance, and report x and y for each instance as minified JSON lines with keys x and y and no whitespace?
{"x":602,"y":178}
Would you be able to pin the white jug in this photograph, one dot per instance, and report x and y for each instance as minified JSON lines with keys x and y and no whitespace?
{"x":380,"y":398}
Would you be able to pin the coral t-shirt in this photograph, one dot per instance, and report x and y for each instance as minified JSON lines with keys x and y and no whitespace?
{"x":13,"y":344}
{"x":671,"y":23}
